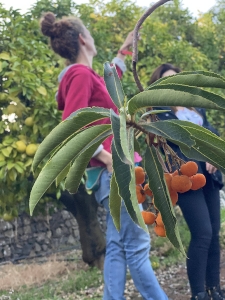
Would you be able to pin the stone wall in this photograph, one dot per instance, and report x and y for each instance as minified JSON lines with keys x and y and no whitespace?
{"x":39,"y":236}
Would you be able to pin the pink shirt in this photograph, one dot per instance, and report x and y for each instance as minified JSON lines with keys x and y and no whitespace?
{"x":82,"y":87}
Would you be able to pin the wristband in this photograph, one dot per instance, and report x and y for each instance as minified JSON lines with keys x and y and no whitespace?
{"x":125,"y":52}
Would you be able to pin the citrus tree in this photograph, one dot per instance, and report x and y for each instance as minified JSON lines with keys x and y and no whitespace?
{"x":27,"y":106}
{"x":72,"y":143}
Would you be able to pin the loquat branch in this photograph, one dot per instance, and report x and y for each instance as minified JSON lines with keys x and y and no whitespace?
{"x":135,"y":40}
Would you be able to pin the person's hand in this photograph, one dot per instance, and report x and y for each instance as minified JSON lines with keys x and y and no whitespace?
{"x":210,"y":168}
{"x":128,"y":41}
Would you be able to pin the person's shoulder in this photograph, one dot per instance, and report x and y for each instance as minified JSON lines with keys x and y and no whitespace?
{"x":79,"y":69}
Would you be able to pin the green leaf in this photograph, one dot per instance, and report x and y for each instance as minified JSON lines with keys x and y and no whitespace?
{"x":137,"y":147}
{"x":113,"y":85}
{"x":161,"y":196}
{"x":94,"y":113}
{"x":132,"y":185}
{"x":62,"y":175}
{"x":171,"y":131}
{"x":63,"y":157}
{"x":123,"y":137}
{"x":42,"y":90}
{"x":78,"y":168}
{"x":196,"y":78}
{"x":28,"y":162}
{"x":10,"y":165}
{"x":12,"y":175}
{"x":2,"y":163}
{"x":208,"y":146}
{"x":125,"y":178}
{"x":65,"y":129}
{"x":18,"y":168}
{"x":115,"y":202}
{"x":175,"y":95}
{"x":6,"y":152}
{"x":5,"y":56}
{"x":115,"y":121}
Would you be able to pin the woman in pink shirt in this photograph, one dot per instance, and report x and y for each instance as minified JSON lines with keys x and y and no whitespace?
{"x":81,"y":87}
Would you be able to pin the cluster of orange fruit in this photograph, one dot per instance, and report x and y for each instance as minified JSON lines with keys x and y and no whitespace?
{"x":181,"y":181}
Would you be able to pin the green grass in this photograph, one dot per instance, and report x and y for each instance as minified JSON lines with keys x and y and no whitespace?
{"x":63,"y":288}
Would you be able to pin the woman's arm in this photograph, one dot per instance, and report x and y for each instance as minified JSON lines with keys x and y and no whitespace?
{"x":106,"y":158}
{"x":126,"y":46}
{"x":121,"y":56}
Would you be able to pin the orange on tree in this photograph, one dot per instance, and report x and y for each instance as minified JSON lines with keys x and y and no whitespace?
{"x":173,"y":196}
{"x":139,"y":175}
{"x":147,"y":190}
{"x":141,"y":196}
{"x":21,"y":146}
{"x":29,"y":121}
{"x":198,"y":181}
{"x":175,"y":173}
{"x":181,"y":183}
{"x":31,"y":149}
{"x":149,"y":217}
{"x":159,"y":220}
{"x":160,"y":230}
{"x":189,"y":169}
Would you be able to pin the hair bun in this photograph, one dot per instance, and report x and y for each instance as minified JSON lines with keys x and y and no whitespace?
{"x":47,"y":24}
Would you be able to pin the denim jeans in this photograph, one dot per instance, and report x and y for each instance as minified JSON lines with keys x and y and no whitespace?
{"x":128,"y":247}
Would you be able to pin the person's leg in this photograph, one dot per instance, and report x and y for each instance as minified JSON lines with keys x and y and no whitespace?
{"x":115,"y":266}
{"x":212,"y":196}
{"x":137,"y":245}
{"x":115,"y":262}
{"x":196,"y":214}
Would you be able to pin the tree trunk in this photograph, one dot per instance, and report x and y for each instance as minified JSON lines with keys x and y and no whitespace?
{"x":84,"y":208}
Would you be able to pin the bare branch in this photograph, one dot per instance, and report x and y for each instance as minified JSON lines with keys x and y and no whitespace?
{"x":135,"y":40}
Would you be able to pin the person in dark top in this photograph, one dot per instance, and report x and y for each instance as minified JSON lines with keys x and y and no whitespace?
{"x":201,"y":208}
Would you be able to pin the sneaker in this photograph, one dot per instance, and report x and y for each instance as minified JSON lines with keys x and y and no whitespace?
{"x":215,"y":293}
{"x":201,"y":296}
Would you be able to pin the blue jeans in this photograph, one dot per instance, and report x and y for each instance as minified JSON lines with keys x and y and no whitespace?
{"x":128,"y":247}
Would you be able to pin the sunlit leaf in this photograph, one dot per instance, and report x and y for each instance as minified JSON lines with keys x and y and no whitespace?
{"x":161,"y":196}
{"x":63,"y":157}
{"x":196,"y":78}
{"x":78,"y":168}
{"x":115,"y":202}
{"x":65,"y":129}
{"x":113,"y":84}
{"x":175,"y":95}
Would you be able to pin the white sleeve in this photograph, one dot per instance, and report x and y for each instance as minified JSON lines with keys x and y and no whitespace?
{"x":98,"y":150}
{"x":120,"y":63}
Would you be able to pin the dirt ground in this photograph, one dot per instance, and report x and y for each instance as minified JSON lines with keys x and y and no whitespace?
{"x":174,"y":282}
